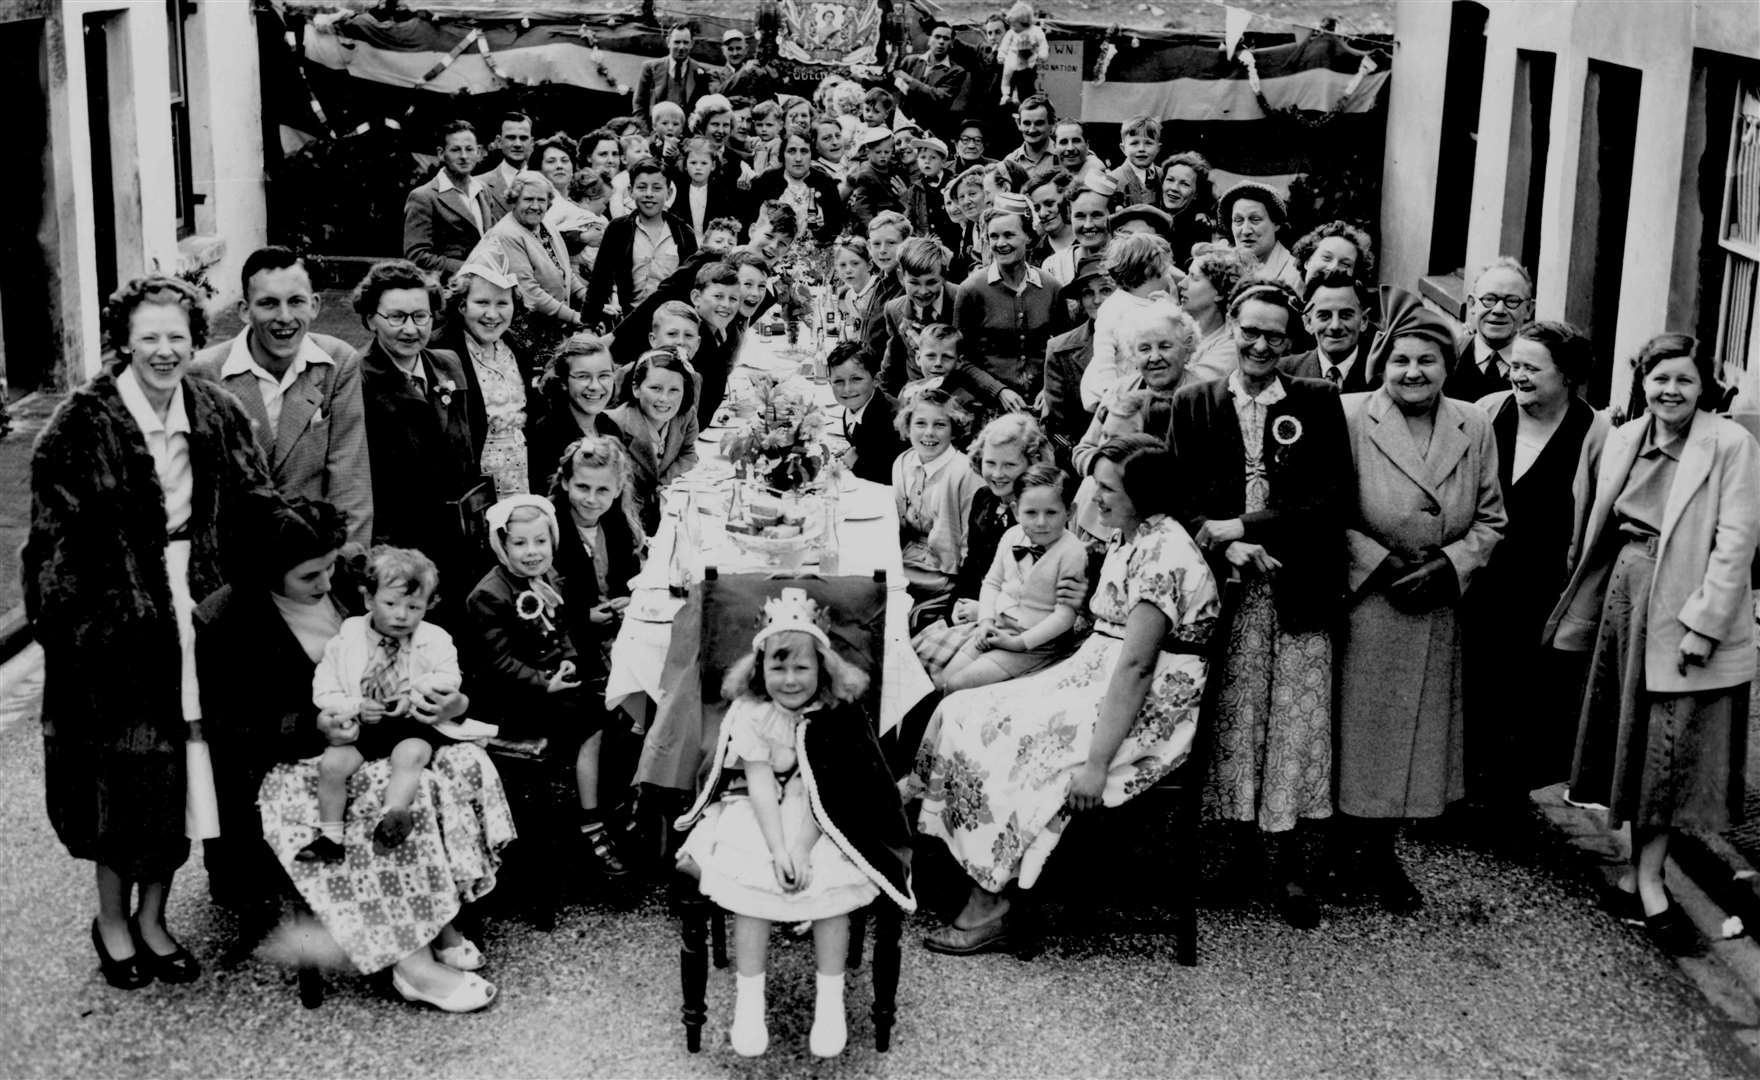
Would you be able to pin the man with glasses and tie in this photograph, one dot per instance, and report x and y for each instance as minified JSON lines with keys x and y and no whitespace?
{"x":675,"y":78}
{"x":1335,"y":309}
{"x":426,"y":483}
{"x":1501,"y":303}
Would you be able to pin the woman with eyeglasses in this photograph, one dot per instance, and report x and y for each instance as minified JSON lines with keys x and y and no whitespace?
{"x":1427,"y":515}
{"x":419,"y":437}
{"x":576,"y":390}
{"x":1262,"y":478}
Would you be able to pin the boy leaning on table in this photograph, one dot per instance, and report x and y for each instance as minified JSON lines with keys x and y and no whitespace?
{"x":866,"y":423}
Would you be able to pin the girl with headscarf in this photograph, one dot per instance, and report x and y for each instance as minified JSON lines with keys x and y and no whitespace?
{"x":523,"y":660}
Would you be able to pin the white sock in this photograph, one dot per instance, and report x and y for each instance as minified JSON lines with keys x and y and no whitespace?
{"x":332,"y":830}
{"x":830,"y":1029}
{"x":748,"y":1035}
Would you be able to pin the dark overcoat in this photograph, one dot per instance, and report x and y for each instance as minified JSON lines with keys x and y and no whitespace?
{"x":98,"y":595}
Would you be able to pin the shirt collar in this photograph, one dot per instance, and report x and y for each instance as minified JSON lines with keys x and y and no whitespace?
{"x":1482,"y":350}
{"x":1344,"y":366}
{"x":239,"y":360}
{"x":1653,"y":444}
{"x":932,"y":469}
{"x":1267,"y":397}
{"x":444,"y":183}
{"x":134,"y":399}
{"x":993,"y":275}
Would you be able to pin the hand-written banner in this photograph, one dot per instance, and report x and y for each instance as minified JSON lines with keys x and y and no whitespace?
{"x":1060,"y":76}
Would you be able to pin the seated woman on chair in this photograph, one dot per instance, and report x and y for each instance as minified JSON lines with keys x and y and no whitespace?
{"x":1002,"y":768}
{"x":256,"y":648}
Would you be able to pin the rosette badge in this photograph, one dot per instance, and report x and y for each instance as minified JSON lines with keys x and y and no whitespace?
{"x":1285,"y":430}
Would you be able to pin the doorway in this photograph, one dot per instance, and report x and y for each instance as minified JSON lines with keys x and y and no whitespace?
{"x":29,"y":353}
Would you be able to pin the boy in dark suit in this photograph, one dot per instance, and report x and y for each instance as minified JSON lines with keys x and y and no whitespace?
{"x":867,"y":413}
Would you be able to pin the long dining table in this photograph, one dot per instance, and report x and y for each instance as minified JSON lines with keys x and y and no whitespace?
{"x":640,"y":680}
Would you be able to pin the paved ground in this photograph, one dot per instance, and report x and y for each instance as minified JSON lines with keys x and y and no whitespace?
{"x":1510,"y":971}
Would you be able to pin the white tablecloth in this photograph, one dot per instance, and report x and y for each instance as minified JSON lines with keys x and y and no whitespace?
{"x":867,"y":541}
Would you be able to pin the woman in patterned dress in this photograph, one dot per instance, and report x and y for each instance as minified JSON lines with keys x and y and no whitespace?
{"x":1003,"y":768}
{"x":257,"y":642}
{"x":480,"y":306}
{"x":1263,"y":475}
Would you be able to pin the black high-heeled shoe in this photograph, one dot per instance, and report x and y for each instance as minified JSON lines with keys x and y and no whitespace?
{"x":125,"y":974}
{"x":177,"y":967}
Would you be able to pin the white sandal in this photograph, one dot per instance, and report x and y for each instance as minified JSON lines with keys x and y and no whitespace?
{"x":465,"y":956}
{"x":472,"y":993}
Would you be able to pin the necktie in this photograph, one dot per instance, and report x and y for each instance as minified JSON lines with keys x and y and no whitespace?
{"x":1495,"y":364}
{"x":1335,"y":373}
{"x":1023,"y":552}
{"x":379,"y":683}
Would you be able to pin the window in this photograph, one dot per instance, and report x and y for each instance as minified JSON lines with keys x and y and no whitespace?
{"x":1605,"y":161}
{"x":1530,"y":139}
{"x":175,"y":13}
{"x":1459,"y":137}
{"x":1738,"y":238}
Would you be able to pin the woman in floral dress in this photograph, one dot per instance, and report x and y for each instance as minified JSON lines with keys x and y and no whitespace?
{"x":1002,"y":769}
{"x":479,"y":309}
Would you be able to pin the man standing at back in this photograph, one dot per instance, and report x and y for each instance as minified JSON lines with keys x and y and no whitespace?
{"x":1035,"y":118}
{"x":515,"y":144}
{"x":1501,"y":303}
{"x":676,"y":78}
{"x":932,"y":82}
{"x":445,"y":218}
{"x":302,"y":390}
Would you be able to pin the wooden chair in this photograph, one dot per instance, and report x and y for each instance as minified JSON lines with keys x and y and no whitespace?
{"x":1180,"y":791}
{"x":731,"y":605}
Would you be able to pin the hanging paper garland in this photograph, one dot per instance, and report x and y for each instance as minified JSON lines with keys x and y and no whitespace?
{"x":457,"y":51}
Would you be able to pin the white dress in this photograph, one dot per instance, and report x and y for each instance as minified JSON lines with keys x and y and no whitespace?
{"x":730,"y":850}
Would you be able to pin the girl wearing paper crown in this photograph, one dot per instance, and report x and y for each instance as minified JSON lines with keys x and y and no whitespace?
{"x":813,"y":829}
{"x":524,"y":662}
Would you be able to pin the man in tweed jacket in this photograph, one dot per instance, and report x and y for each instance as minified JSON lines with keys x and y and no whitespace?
{"x":301,"y":390}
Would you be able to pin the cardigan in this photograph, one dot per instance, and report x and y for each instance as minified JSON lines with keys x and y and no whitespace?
{"x":545,"y":286}
{"x":1029,"y":597}
{"x":1313,"y":487}
{"x":1005,"y":333}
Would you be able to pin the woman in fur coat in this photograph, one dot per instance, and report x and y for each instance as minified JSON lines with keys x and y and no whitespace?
{"x":139,"y":482}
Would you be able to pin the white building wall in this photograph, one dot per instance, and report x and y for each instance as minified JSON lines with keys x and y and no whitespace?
{"x":227,"y":154}
{"x":1655,"y":37}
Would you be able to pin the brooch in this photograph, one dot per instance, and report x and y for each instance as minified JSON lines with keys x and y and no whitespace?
{"x":530,"y":606}
{"x":446,"y":389}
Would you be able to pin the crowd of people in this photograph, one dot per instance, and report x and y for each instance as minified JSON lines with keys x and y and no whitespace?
{"x":1129,"y":425}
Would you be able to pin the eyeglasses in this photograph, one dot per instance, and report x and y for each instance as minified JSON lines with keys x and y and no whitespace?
{"x":1509,"y":302}
{"x":405,"y":318}
{"x":1276,"y":340}
{"x":971,"y":138}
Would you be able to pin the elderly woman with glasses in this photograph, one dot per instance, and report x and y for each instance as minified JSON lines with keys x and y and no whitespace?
{"x":1427,"y":515}
{"x":419,"y":436}
{"x":536,"y":254}
{"x":1263,"y":475}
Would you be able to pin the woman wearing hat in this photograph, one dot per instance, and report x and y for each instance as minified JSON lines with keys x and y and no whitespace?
{"x":1008,"y":310}
{"x":1253,"y":214}
{"x":1428,"y":513}
{"x":480,"y":306}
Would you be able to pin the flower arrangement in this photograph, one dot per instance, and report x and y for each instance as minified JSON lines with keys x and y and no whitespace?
{"x":780,"y":441}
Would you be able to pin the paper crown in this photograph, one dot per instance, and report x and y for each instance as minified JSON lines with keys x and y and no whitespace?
{"x":791,"y":611}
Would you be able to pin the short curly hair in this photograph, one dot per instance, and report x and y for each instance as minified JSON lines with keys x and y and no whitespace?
{"x":1363,"y":268}
{"x":1223,"y":268}
{"x":391,"y":274}
{"x":1266,"y":290}
{"x":1205,"y":192}
{"x":1013,"y":429}
{"x":153,"y":289}
{"x":1134,"y":259}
